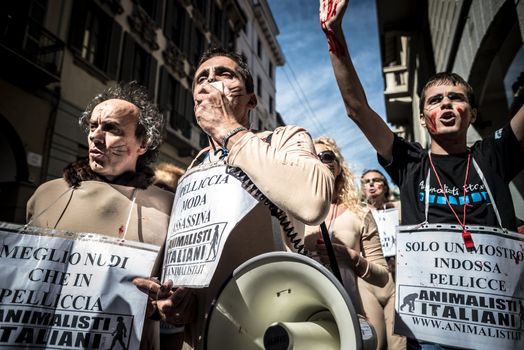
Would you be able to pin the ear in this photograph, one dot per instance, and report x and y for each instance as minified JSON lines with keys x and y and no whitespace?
{"x":252,"y":103}
{"x":422,"y":120}
{"x":143,"y":147}
{"x":473,"y":115}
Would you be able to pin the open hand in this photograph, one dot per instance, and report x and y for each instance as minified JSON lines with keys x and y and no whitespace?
{"x":214,"y":111}
{"x":331,"y":13}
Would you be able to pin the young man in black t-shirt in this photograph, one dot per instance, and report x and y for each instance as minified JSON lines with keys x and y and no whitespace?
{"x":450,"y":183}
{"x":447,"y":108}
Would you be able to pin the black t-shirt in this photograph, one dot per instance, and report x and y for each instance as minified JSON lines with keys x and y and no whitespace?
{"x":500,"y":159}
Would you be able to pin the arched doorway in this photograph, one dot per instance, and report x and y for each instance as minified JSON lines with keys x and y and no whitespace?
{"x":13,"y":174}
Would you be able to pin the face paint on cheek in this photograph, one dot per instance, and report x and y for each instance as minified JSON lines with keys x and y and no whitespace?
{"x":120,"y":150}
{"x":461,"y":111}
{"x":431,"y":123}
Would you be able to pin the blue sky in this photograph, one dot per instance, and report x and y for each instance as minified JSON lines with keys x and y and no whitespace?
{"x":307,"y":62}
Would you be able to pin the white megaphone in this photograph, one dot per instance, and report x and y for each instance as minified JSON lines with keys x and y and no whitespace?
{"x":284,"y":301}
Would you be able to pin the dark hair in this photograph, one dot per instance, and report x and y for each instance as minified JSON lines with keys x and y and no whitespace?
{"x":447,"y":78}
{"x":150,"y":123}
{"x":386,"y":184}
{"x":239,"y":59}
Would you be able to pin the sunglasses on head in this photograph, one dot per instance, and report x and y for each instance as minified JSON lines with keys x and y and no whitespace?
{"x":327,"y":156}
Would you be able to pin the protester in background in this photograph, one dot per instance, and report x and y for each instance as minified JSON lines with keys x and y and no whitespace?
{"x":447,"y":108}
{"x":375,"y":190}
{"x":354,"y":236}
{"x":282,"y":165}
{"x":110,"y":192}
{"x":167,"y":176}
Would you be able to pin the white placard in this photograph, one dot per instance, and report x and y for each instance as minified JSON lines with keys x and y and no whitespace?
{"x":453,"y":297}
{"x":387,"y":222}
{"x":62,"y":290}
{"x":208,"y":205}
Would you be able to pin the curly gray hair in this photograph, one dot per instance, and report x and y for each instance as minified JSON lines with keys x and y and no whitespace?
{"x":150,"y":120}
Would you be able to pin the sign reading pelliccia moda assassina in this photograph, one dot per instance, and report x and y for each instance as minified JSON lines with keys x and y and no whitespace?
{"x":63,"y":290}
{"x":208,"y":204}
{"x":452,"y":296}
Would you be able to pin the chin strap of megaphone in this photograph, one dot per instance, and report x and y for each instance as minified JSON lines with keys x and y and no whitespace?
{"x":331,"y":251}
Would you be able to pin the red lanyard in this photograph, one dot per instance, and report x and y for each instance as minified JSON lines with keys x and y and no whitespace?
{"x":466,"y":235}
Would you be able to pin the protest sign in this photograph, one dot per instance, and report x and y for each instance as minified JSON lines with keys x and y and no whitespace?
{"x":208,"y":205}
{"x":387,"y":222}
{"x":63,"y":290}
{"x":451,"y":296}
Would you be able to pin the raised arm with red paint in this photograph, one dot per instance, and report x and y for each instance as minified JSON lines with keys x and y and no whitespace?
{"x":357,"y":107}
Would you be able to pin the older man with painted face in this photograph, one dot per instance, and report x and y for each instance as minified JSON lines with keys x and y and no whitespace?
{"x":282,"y":164}
{"x":111,"y":191}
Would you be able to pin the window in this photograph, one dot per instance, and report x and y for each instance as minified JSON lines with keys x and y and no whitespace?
{"x":200,"y":5}
{"x":271,"y":105}
{"x":218,"y":22}
{"x":198,"y":45}
{"x":259,"y":48}
{"x":138,"y":64}
{"x":259,"y":86}
{"x":230,"y":38}
{"x":37,"y":10}
{"x":270,"y":69}
{"x":172,"y":102}
{"x":154,"y":8}
{"x":94,"y":37}
{"x":175,"y":23}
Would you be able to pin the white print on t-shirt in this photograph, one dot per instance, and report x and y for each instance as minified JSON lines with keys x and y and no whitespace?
{"x":475,"y":193}
{"x":454,"y":191}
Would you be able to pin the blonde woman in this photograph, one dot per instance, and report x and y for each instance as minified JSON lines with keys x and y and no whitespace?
{"x":353,"y":233}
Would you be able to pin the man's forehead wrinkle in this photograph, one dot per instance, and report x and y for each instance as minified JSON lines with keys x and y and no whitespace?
{"x":114,"y":111}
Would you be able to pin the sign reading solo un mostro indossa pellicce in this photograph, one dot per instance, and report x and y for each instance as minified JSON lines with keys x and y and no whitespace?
{"x":449,"y":295}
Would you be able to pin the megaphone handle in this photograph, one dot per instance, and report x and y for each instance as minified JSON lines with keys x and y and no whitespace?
{"x":331,"y":252}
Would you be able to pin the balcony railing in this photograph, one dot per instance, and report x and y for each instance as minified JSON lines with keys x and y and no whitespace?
{"x":27,"y":42}
{"x":396,"y":78}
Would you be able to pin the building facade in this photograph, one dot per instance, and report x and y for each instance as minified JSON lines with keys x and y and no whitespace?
{"x":480,"y":40}
{"x":60,"y":54}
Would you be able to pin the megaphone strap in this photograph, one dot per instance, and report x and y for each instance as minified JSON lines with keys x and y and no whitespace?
{"x":275,"y":211}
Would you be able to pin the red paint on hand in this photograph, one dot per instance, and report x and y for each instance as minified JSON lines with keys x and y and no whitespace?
{"x":327,"y":12}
